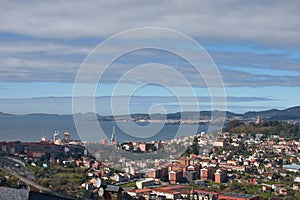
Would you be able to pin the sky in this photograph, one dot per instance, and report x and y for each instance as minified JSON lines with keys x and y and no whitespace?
{"x":255,"y":46}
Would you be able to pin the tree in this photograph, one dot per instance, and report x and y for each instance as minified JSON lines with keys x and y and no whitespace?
{"x":231,"y":125}
{"x":235,"y":187}
{"x":195,"y":146}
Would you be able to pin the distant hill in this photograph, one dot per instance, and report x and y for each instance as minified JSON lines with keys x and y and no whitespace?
{"x":44,"y":115}
{"x":292,"y":113}
{"x":5,"y":114}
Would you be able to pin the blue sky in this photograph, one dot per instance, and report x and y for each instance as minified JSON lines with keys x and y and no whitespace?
{"x":255,"y":46}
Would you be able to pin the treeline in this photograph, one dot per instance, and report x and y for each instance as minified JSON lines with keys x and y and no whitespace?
{"x":267,"y":128}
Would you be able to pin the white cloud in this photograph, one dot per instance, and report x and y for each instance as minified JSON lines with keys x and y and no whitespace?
{"x":271,"y":22}
{"x":53,"y":48}
{"x":48,"y":54}
{"x":59,"y":62}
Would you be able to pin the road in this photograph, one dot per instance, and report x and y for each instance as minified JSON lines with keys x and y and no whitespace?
{"x":18,"y":169}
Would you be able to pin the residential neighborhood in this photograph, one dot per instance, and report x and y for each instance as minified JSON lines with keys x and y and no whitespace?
{"x":227,"y":166}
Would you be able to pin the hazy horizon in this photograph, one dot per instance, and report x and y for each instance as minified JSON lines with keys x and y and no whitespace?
{"x":254,"y":45}
{"x":62,"y":105}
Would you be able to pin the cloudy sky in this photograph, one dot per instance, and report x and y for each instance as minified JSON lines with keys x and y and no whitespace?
{"x":254,"y":44}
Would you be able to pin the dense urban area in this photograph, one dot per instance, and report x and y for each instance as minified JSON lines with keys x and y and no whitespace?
{"x":246,"y":161}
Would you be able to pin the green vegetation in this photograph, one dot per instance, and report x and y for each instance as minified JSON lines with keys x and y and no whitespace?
{"x":60,"y":179}
{"x":245,"y":188}
{"x":8,"y":180}
{"x":130,"y":184}
{"x":267,"y":128}
{"x":193,"y":149}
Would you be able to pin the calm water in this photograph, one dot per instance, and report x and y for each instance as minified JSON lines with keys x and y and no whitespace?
{"x":31,"y":128}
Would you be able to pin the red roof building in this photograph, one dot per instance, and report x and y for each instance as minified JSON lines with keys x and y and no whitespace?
{"x":235,"y":196}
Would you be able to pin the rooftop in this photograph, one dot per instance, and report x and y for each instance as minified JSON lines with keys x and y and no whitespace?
{"x":293,"y":166}
{"x":206,"y":192}
{"x":10,"y":193}
{"x":236,"y":195}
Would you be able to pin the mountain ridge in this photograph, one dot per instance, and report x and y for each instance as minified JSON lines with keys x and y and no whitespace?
{"x":291,"y":113}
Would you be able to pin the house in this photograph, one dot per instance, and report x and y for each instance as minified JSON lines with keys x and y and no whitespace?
{"x":184,"y":161}
{"x":154,"y":173}
{"x":283,"y":191}
{"x":206,"y":173}
{"x":253,"y":180}
{"x":171,"y":192}
{"x":147,"y":147}
{"x":219,"y":143}
{"x":106,"y":192}
{"x":221,"y":176}
{"x":292,"y":168}
{"x":175,"y":176}
{"x":280,"y":190}
{"x":143,"y":183}
{"x":202,"y":194}
{"x":140,"y":193}
{"x":270,"y":176}
{"x":295,"y":186}
{"x":120,"y":177}
{"x":168,"y":194}
{"x":112,"y":192}
{"x":297,"y":179}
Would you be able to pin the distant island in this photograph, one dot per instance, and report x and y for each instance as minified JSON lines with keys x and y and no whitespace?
{"x":289,"y":114}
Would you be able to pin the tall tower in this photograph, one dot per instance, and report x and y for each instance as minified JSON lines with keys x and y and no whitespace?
{"x":55,"y":135}
{"x":113,"y":139}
